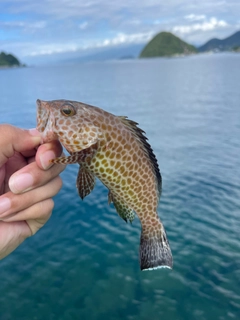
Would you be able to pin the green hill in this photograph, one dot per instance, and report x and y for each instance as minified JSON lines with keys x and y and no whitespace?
{"x":8,"y":60}
{"x":165,"y":44}
{"x":226,"y":44}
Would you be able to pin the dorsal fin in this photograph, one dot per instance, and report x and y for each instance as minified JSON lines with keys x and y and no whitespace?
{"x":141,"y":137}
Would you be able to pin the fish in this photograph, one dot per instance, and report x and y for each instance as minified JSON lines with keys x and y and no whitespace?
{"x":116,"y":151}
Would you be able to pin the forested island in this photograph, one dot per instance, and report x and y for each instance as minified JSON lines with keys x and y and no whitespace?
{"x":166,"y":44}
{"x":8,"y":60}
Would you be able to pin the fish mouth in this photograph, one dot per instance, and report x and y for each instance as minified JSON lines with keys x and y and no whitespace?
{"x":45,"y":122}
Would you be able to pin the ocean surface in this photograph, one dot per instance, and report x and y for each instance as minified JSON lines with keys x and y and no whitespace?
{"x":84,"y":263}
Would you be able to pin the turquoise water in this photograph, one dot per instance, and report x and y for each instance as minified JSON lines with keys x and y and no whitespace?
{"x":84,"y":263}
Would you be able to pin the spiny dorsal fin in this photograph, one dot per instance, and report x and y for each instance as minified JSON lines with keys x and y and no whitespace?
{"x":141,"y":137}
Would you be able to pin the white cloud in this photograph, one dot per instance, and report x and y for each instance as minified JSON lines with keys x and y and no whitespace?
{"x":49,"y":49}
{"x":157,"y":21}
{"x":136,"y":22}
{"x":194,"y":17}
{"x":24,"y":24}
{"x":211,"y":24}
{"x":120,"y":38}
{"x":83,"y":25}
{"x":129,"y":38}
{"x":29,"y":50}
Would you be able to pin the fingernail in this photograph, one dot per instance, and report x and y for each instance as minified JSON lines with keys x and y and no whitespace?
{"x":37,"y":137}
{"x":45,"y":159}
{"x":5,"y":205}
{"x":21,"y":182}
{"x":34,"y":132}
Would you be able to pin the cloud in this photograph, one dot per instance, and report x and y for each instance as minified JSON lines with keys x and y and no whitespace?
{"x":83,"y":25}
{"x":194,"y":17}
{"x":211,"y":24}
{"x":122,"y":38}
{"x":23,"y":24}
{"x":31,"y":28}
{"x":47,"y":49}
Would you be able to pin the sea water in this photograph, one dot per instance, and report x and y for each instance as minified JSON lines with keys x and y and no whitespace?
{"x":84,"y":263}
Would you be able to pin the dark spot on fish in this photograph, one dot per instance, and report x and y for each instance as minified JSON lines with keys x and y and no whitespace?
{"x":118,"y":164}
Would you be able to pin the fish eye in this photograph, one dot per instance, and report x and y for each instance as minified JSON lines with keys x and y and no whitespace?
{"x":68,"y":111}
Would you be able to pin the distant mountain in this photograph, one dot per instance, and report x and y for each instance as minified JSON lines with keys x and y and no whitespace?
{"x":104,"y":54}
{"x":166,"y":44}
{"x":226,"y":44}
{"x":8,"y":60}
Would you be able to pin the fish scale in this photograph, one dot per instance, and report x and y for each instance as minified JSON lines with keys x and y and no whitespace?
{"x":115,"y":150}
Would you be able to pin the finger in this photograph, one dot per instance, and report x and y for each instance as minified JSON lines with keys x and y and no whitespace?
{"x":31,"y":177}
{"x":2,"y":177}
{"x":47,"y":152}
{"x":11,"y":205}
{"x":35,"y":216}
{"x":15,"y":163}
{"x":12,"y":235}
{"x":35,"y":225}
{"x":15,"y":139}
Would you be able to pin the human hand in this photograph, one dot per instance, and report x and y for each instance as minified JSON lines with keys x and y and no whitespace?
{"x":27,"y":184}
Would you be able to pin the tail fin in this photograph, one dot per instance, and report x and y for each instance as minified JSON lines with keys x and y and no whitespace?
{"x":155,"y":251}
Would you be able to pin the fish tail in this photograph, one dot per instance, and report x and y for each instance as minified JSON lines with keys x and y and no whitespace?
{"x":154,"y":250}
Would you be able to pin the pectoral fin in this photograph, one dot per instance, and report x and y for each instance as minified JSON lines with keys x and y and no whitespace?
{"x":85,"y":182}
{"x":122,"y":209}
{"x":73,"y":158}
{"x":85,"y":155}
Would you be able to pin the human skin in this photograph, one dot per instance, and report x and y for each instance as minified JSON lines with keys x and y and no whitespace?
{"x":28,"y":181}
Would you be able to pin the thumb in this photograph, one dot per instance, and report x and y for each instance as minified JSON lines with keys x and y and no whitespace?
{"x":14,"y":139}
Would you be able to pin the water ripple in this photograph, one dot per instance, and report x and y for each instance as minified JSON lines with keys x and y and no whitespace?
{"x":85,"y":260}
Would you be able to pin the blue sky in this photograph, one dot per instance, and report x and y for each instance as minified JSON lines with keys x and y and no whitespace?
{"x":61,"y":28}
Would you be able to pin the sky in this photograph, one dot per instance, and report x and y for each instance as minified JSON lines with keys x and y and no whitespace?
{"x":53,"y":29}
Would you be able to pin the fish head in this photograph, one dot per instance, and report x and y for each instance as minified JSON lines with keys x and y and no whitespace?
{"x":59,"y":120}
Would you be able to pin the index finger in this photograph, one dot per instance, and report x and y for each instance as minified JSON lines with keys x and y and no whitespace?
{"x":14,"y":139}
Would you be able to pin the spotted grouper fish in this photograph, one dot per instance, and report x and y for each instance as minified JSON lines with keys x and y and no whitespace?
{"x":115,"y":150}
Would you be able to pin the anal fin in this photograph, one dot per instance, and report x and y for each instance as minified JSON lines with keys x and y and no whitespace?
{"x":126,"y":213}
{"x":85,"y":182}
